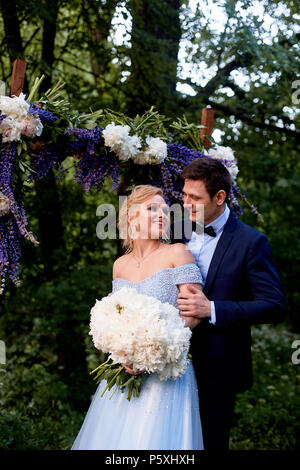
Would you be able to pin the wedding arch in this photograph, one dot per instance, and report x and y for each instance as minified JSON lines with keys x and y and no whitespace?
{"x":39,"y":133}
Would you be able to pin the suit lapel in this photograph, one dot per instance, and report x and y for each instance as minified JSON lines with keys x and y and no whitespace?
{"x":222,"y":245}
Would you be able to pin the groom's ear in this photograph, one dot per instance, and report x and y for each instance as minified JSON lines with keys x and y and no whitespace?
{"x":220,"y":197}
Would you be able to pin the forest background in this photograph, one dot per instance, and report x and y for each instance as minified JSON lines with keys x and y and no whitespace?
{"x":239,"y":57}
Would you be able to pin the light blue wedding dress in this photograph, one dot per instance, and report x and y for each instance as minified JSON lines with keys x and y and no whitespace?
{"x":166,"y":414}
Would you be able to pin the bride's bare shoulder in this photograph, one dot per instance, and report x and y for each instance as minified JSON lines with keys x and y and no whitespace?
{"x":180,"y":254}
{"x":119,"y":265}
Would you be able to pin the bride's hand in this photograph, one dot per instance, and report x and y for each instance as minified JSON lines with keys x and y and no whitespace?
{"x":191,"y":322}
{"x":130,"y":370}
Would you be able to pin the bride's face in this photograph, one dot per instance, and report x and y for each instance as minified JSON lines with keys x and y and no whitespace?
{"x":149,"y":219}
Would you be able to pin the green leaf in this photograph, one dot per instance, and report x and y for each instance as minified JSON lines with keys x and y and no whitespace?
{"x":22,"y":167}
{"x":19,"y":148}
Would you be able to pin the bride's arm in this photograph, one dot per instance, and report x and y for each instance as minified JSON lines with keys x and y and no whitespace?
{"x":116,"y":268}
{"x":184,"y":291}
{"x":180,"y":255}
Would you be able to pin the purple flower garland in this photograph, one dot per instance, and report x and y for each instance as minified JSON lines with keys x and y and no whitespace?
{"x":12,"y":224}
{"x":94,"y":162}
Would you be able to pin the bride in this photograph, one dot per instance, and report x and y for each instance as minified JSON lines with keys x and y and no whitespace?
{"x":166,"y":414}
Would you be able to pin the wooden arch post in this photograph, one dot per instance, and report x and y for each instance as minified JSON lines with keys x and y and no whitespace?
{"x":207,"y":120}
{"x":17,"y":77}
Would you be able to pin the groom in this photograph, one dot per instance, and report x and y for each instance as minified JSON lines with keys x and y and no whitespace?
{"x":240,"y":288}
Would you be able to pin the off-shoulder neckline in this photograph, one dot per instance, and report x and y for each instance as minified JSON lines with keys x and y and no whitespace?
{"x":156,"y":272}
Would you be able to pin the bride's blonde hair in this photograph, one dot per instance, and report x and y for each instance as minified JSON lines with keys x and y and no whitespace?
{"x":138,"y":195}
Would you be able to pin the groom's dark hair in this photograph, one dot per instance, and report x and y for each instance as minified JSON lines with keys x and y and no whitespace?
{"x":212,"y":172}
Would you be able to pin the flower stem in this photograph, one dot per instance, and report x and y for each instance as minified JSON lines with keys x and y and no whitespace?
{"x":112,"y":380}
{"x":101,"y":365}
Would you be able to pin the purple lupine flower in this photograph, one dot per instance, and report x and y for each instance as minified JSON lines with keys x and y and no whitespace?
{"x":14,"y":250}
{"x":234,"y":202}
{"x":7,"y":162}
{"x":92,"y":168}
{"x":12,"y":224}
{"x":4,"y":257}
{"x":115,"y":175}
{"x":43,"y":158}
{"x":43,"y":114}
{"x":254,"y":210}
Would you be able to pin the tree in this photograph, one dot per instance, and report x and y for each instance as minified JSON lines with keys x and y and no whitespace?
{"x":153,"y":55}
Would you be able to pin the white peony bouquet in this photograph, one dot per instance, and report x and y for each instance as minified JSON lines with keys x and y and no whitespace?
{"x":17,"y":119}
{"x":140,"y":330}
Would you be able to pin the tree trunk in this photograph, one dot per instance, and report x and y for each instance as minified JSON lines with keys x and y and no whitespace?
{"x":50,"y":224}
{"x":12,"y":29}
{"x":50,"y":219}
{"x":49,"y":33}
{"x":98,"y":21}
{"x":155,"y":40}
{"x":12,"y":32}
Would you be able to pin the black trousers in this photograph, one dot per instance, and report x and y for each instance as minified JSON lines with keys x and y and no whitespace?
{"x":216,"y":411}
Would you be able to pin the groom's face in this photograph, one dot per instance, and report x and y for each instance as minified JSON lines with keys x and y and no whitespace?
{"x":196,"y":199}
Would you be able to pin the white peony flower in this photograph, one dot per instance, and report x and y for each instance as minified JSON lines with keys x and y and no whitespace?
{"x":141,"y":158}
{"x":221,"y":152}
{"x":18,"y":120}
{"x":225,"y":153}
{"x":4,"y":204}
{"x":156,"y":152}
{"x":15,"y":107}
{"x":129,"y":148}
{"x":118,"y":139}
{"x":233,"y":170}
{"x":115,"y":135}
{"x":31,"y":126}
{"x":39,"y":127}
{"x":140,"y":330}
{"x":10,"y":129}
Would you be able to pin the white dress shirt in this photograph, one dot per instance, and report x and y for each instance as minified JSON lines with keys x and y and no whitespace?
{"x":203,"y":247}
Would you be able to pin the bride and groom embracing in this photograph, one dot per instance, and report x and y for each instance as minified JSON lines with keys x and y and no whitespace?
{"x":222,"y":280}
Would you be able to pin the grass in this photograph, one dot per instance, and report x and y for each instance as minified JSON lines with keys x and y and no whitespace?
{"x":35,"y":413}
{"x":267,"y":415}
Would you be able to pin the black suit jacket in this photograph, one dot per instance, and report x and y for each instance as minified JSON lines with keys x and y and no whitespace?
{"x":245,"y":287}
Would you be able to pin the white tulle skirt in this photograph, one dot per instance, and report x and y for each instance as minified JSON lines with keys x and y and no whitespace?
{"x":164,"y":417}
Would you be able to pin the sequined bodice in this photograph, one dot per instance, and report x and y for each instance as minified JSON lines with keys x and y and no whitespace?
{"x":163,"y":284}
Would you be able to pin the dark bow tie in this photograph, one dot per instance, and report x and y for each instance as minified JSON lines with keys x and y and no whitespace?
{"x":209,"y":230}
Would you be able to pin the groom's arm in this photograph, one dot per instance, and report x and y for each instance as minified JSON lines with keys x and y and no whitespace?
{"x":268,"y":305}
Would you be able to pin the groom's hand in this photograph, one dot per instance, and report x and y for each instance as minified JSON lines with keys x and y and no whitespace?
{"x":193,"y":303}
